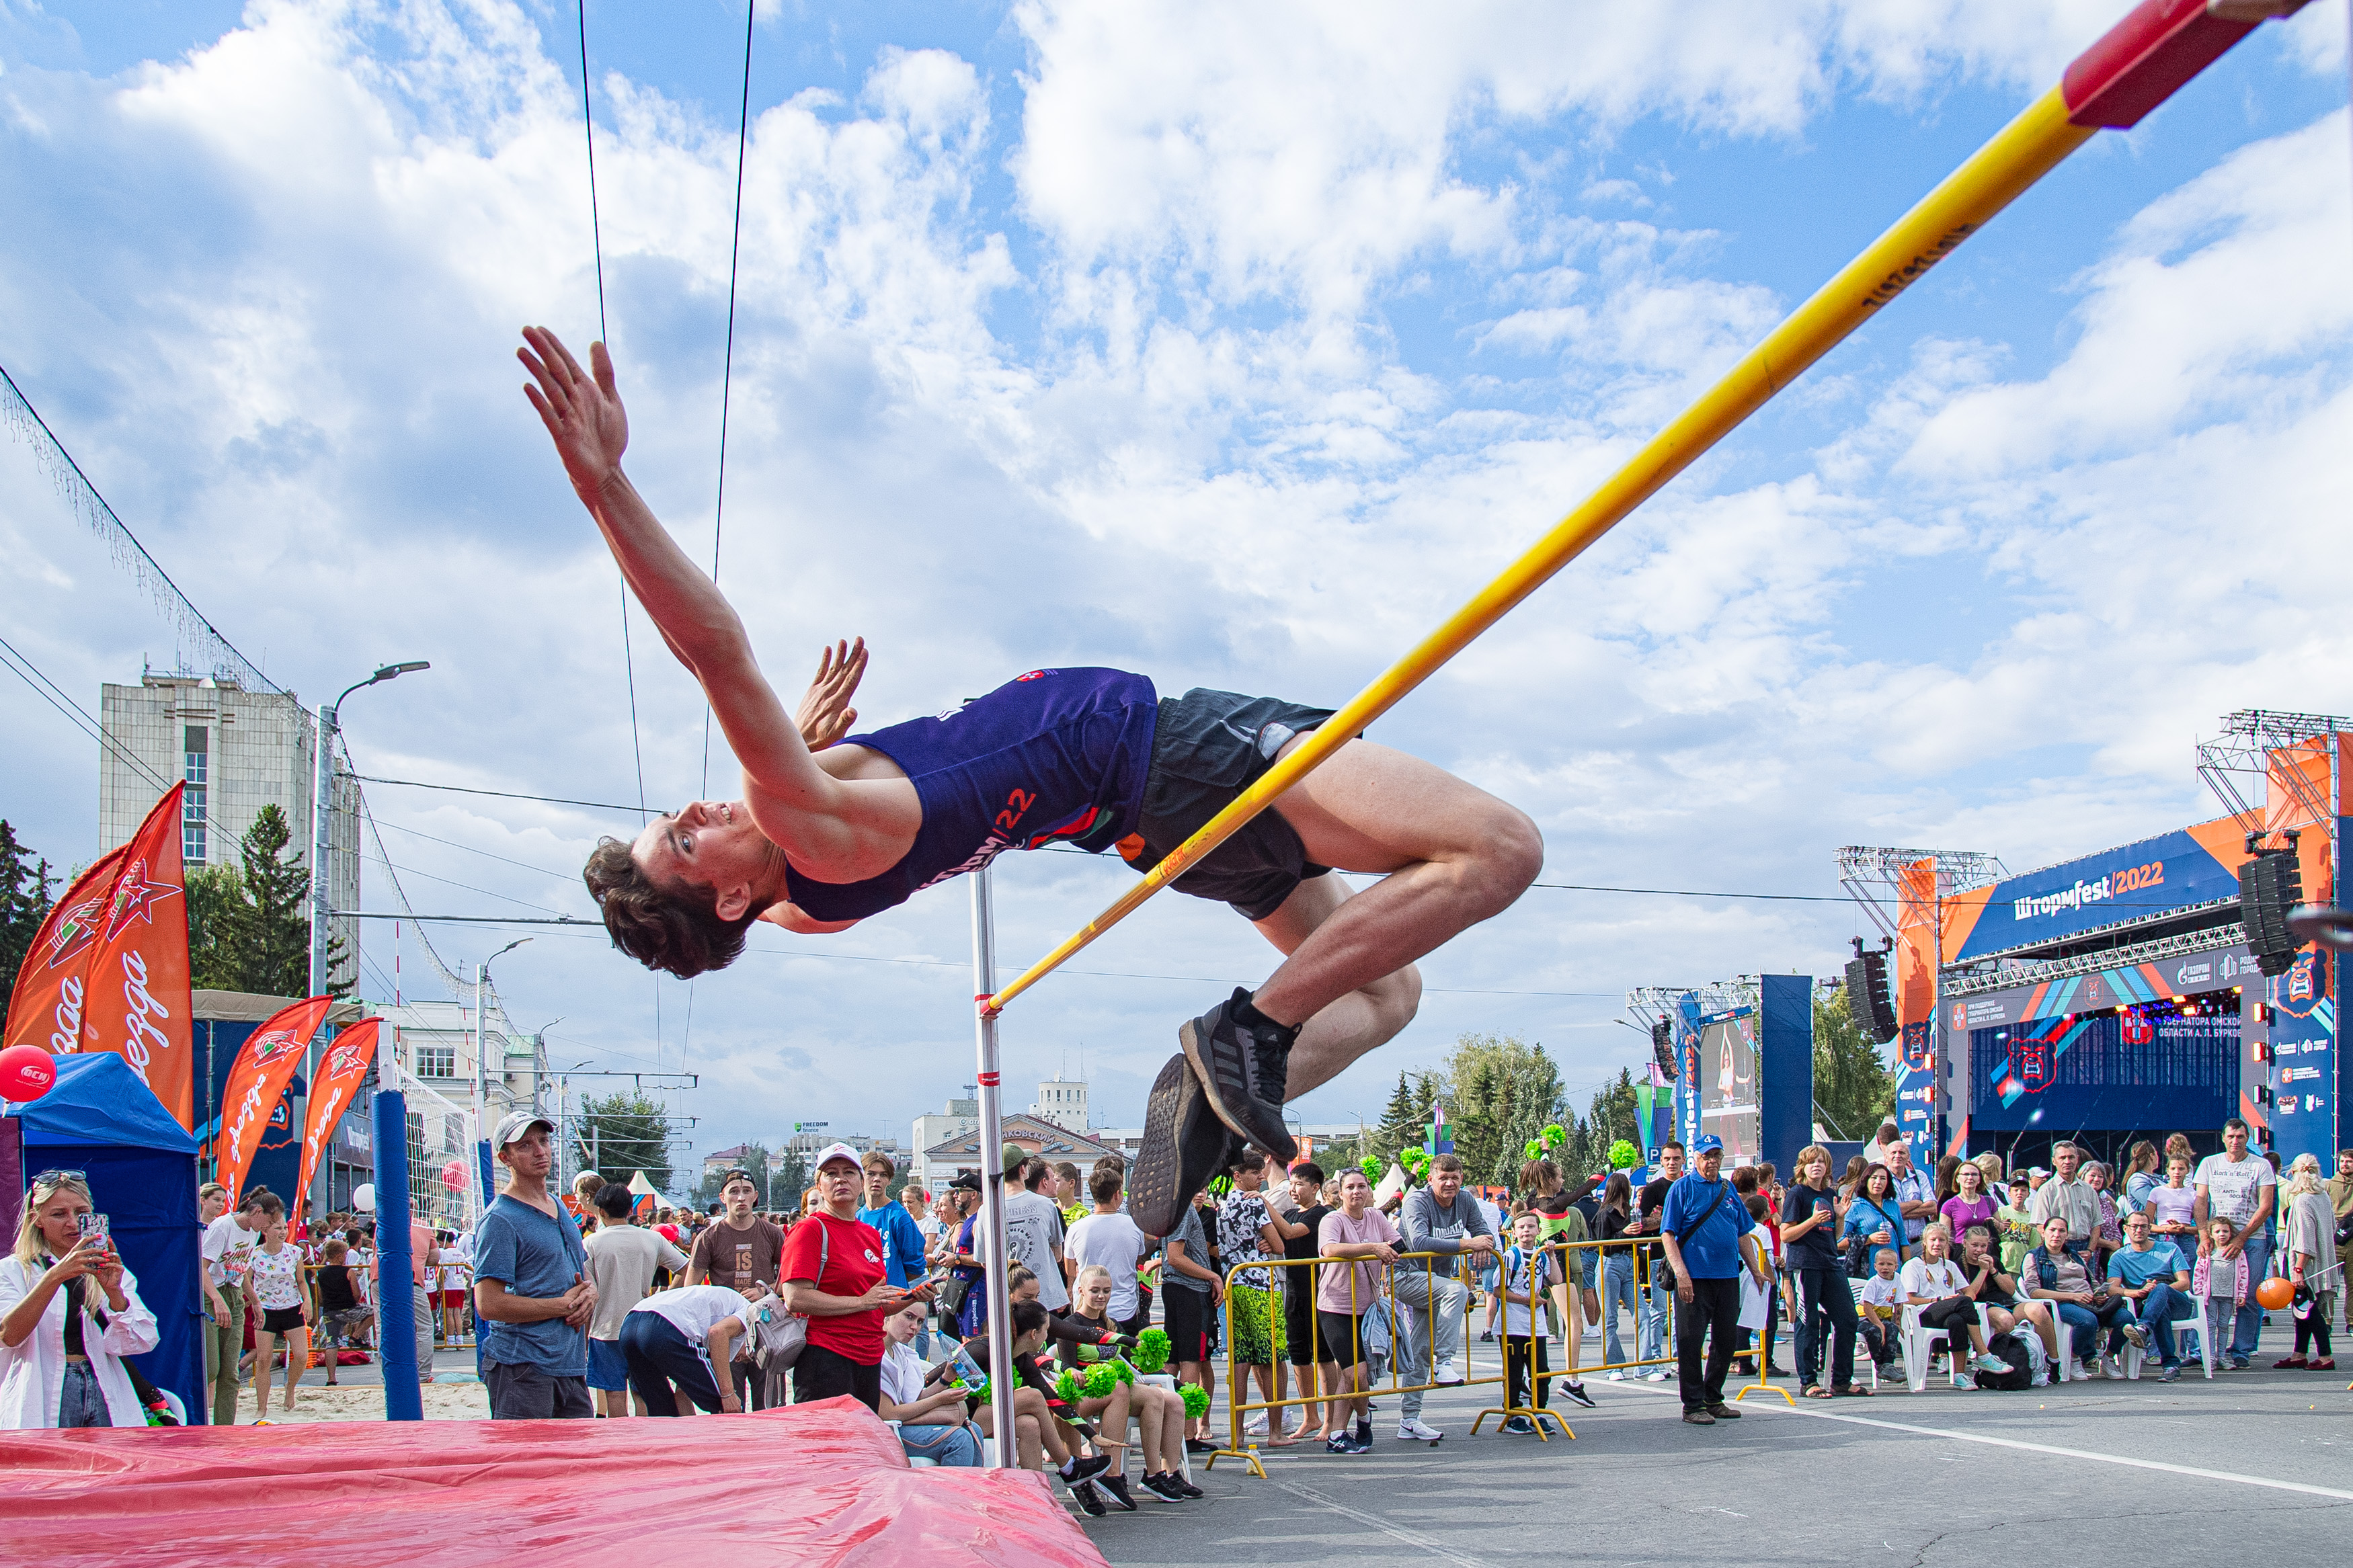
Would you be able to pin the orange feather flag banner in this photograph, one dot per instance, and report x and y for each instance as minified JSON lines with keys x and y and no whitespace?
{"x":264,"y":1067}
{"x":109,"y":970}
{"x":341,"y":1070}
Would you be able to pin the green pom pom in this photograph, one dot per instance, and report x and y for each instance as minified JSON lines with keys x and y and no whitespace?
{"x":1066,"y":1387}
{"x":1101,"y":1380}
{"x":1372,"y":1166}
{"x":1555,"y":1136}
{"x":1152,"y":1348}
{"x":1533,"y":1151}
{"x":1623,"y":1155}
{"x":1196,"y":1401}
{"x":1122,"y":1371}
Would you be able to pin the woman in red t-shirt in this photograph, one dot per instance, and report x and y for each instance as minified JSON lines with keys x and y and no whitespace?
{"x":833,"y":1276}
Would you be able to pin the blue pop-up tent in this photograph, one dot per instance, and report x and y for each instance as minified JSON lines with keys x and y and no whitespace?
{"x":99,"y":1117}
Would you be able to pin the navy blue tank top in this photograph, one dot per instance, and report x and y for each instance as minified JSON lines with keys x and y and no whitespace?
{"x":1055,"y":755}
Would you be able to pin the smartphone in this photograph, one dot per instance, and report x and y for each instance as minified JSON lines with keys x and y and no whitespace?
{"x":94,"y":1225}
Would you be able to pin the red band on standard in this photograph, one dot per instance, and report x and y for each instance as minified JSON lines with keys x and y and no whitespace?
{"x":2144,"y":59}
{"x":988,"y":1080}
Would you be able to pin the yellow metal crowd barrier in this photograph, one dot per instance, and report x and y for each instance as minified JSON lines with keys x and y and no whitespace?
{"x":1455,"y":1265}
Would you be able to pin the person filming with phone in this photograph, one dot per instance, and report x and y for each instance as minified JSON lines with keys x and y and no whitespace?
{"x":70,"y":1312}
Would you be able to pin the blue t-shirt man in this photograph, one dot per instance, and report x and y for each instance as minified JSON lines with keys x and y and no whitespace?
{"x":2161,"y":1262}
{"x":531,"y":1254}
{"x":1710,"y":1250}
{"x":902,"y":1242}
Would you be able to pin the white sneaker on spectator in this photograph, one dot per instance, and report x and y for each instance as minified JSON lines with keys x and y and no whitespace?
{"x":2111,"y":1366}
{"x":1966,"y":1384}
{"x":1412,"y":1430}
{"x":1617,"y":1377}
{"x":1448,"y":1374}
{"x":1654,"y":1377}
{"x":2089,"y":1370}
{"x":1256,"y":1425}
{"x":1989,"y":1361}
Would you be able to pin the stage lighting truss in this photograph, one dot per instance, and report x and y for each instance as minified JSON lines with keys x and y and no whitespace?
{"x":2237,"y":766}
{"x":2181,"y":944}
{"x":1873,"y":878}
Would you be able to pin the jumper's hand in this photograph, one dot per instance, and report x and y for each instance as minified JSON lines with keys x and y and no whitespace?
{"x":585,"y":416}
{"x":825,"y":715}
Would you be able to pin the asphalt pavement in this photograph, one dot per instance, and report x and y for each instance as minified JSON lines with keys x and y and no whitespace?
{"x":2088,"y":1472}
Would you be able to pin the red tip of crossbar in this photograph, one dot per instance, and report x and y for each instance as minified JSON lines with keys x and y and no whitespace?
{"x":2144,"y":59}
{"x":988,"y":1080}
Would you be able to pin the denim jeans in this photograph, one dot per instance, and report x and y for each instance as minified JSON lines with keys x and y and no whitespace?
{"x":82,"y":1402}
{"x":1654,"y":1315}
{"x":951,"y":1445}
{"x":1825,"y":1312}
{"x":2161,"y":1308}
{"x":1423,"y":1296}
{"x":2249,"y":1326}
{"x":1616,"y":1285}
{"x":2113,"y":1317}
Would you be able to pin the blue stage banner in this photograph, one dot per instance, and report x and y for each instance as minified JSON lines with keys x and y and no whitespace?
{"x":2127,"y":883}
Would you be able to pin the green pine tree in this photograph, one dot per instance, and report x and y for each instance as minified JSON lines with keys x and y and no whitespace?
{"x":24,"y":894}
{"x":271,"y":936}
{"x":217,"y":909}
{"x":1852,"y":1090}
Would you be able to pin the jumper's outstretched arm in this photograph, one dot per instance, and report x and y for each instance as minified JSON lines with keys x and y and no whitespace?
{"x":797,"y":803}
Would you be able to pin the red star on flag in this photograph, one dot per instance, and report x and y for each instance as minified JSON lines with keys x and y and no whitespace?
{"x":135,"y":899}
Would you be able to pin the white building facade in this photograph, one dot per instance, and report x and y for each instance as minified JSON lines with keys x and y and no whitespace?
{"x":237,"y":750}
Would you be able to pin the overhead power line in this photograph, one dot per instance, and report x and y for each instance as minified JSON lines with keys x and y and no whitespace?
{"x":220,"y":657}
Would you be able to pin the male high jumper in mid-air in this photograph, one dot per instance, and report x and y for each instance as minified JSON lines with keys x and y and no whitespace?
{"x":834,"y":828}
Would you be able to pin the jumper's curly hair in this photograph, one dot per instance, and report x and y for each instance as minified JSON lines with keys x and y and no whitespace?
{"x":673,"y":929}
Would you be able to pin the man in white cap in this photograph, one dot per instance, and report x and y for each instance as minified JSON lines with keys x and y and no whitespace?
{"x":532,"y":1294}
{"x":834,"y":1276}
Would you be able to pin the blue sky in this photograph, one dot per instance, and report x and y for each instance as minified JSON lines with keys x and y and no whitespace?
{"x":1233,"y":346}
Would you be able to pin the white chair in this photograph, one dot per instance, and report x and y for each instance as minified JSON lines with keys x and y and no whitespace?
{"x":1918,"y":1343}
{"x":1164,"y":1380}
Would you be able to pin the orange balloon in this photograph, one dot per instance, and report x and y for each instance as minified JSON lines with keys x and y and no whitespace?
{"x":2275,"y":1294}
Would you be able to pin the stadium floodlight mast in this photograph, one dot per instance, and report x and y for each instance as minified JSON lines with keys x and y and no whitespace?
{"x":322,"y":808}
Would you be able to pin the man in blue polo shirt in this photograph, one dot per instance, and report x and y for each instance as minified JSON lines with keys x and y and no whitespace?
{"x":532,"y":1293}
{"x":1705,"y":1227}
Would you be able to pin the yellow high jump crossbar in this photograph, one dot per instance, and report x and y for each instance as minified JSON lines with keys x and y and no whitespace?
{"x":2136,"y":64}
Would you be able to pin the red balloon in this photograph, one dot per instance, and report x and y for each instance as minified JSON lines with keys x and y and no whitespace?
{"x":26,"y":1072}
{"x":453,"y":1175}
{"x":2275,"y":1295}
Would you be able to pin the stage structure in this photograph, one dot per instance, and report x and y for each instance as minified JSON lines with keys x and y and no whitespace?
{"x":2123,"y":994}
{"x":1908,"y":894}
{"x":1744,"y":1058}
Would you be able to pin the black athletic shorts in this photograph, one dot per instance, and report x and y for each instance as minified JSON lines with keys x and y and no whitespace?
{"x":1186,"y":1315}
{"x":1344,"y":1336}
{"x":1207,"y":748}
{"x":1302,"y":1339}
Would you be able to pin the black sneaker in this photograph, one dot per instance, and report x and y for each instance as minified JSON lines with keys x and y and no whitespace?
{"x":1090,"y":1499}
{"x":1168,"y":1487}
{"x":1576,"y":1390}
{"x":1114,"y":1488}
{"x":1184,"y":1146}
{"x":1189,"y":1490}
{"x":1199,"y":1446}
{"x":1239,"y":1069}
{"x":1085,"y":1468}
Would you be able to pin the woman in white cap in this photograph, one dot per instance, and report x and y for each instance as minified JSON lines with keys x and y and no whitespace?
{"x":833,"y":1276}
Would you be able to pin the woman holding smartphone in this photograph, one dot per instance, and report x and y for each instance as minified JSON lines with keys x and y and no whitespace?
{"x":277,"y":1302}
{"x":70,"y":1312}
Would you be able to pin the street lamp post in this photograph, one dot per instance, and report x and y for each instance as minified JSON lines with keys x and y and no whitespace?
{"x":322,"y":810}
{"x":481,"y":1069}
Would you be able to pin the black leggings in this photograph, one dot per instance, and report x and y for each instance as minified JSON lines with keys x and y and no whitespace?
{"x":2312,"y":1331}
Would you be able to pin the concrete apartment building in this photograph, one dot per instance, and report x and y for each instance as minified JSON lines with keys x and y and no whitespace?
{"x":238,"y":750}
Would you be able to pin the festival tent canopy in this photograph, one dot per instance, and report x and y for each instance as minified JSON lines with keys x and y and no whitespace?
{"x":100,"y":1119}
